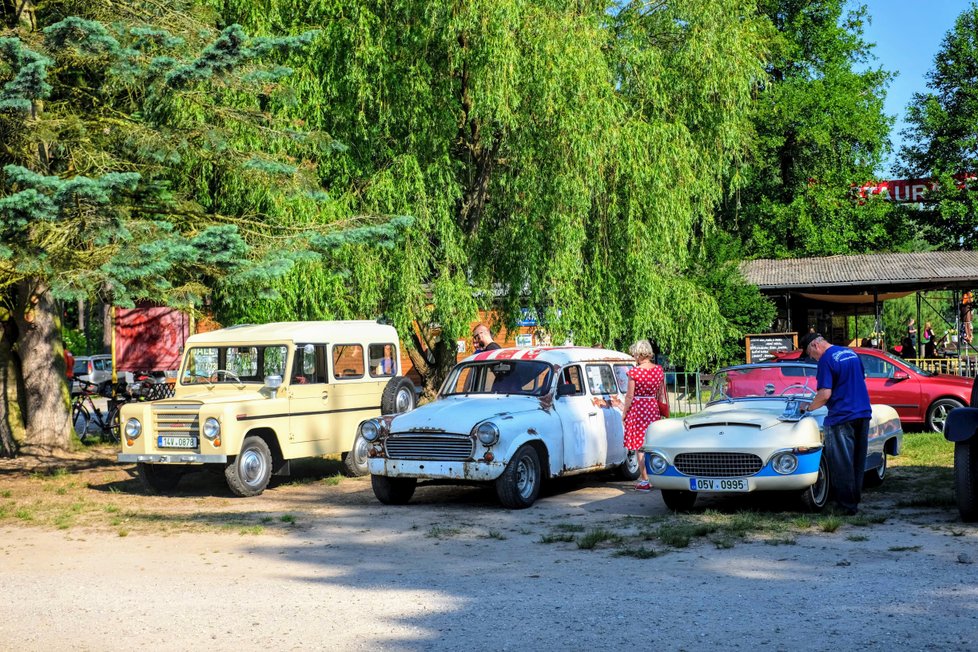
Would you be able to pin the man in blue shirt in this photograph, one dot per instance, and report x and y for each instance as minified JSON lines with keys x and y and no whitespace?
{"x":842,"y":387}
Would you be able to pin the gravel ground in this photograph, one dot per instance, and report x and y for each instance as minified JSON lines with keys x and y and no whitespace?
{"x":453,"y":570}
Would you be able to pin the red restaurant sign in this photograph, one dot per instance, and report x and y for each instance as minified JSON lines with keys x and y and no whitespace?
{"x":908,"y":190}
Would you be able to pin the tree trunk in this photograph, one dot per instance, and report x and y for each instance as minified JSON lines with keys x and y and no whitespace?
{"x":8,"y":444}
{"x":42,"y":358}
{"x":432,"y":361}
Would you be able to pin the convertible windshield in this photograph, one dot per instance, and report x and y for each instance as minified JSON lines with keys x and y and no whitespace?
{"x":526,"y":377}
{"x":764,"y":381}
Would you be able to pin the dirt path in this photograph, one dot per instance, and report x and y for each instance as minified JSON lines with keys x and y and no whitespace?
{"x":334,"y":569}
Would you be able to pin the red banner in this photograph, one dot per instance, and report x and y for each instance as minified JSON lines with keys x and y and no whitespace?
{"x":149,"y":339}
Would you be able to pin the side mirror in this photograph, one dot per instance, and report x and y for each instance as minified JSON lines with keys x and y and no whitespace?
{"x":901,"y":375}
{"x":566,"y":389}
{"x":273,"y":382}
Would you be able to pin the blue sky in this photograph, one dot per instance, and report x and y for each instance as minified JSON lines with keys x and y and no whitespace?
{"x":907,"y":34}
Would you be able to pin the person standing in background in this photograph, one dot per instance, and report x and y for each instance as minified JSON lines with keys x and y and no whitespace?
{"x":482,"y":338}
{"x":930,"y":345}
{"x":912,"y":332}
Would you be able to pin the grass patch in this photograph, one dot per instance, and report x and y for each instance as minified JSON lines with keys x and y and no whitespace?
{"x":568,"y":527}
{"x":904,"y":548}
{"x":830,"y":523}
{"x":857,"y":537}
{"x":332,"y":480}
{"x":494,"y":534}
{"x":251,"y":530}
{"x":925,"y":449}
{"x":6,"y":493}
{"x":678,"y":535}
{"x":942,"y":499}
{"x":439,"y":532}
{"x":590,"y":539}
{"x":24,"y":514}
{"x":781,"y":541}
{"x":123,"y":533}
{"x":557,"y":538}
{"x":287,"y":518}
{"x":640,"y":552}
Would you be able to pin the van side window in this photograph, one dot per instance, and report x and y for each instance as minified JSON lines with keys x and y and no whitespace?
{"x":572,"y":375}
{"x":348,"y":361}
{"x":382,"y":362}
{"x":310,"y":364}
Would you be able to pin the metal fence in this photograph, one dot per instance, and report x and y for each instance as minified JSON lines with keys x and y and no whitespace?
{"x":687,"y":391}
{"x":963,"y":366}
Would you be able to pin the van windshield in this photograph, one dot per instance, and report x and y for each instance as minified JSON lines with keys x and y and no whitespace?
{"x":232,"y":365}
{"x":521,"y":377}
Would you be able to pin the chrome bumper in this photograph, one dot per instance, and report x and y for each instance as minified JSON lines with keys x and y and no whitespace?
{"x":173,"y":458}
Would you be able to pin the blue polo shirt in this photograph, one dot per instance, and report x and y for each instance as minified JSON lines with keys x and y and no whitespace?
{"x":841,"y":370}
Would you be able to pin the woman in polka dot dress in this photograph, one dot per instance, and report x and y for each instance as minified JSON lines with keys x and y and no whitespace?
{"x":641,"y":406}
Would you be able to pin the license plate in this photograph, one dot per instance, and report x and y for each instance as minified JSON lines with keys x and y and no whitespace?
{"x":176,"y":442}
{"x":718,"y":484}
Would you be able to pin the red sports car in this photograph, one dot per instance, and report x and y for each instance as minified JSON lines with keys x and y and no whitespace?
{"x":918,"y":396}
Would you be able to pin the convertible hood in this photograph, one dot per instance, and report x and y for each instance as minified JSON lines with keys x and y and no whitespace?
{"x":733,"y":417}
{"x":459,"y":414}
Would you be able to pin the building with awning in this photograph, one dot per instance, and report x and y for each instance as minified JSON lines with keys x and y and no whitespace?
{"x":822,"y":292}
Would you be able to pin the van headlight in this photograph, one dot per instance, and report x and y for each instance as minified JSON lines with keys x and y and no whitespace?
{"x":133,"y":428}
{"x":784,"y":463}
{"x":487,"y":432}
{"x":212,"y":428}
{"x":369,"y":430}
{"x":657,"y":463}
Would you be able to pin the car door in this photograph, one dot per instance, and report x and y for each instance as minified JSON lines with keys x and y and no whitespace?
{"x":309,"y":399}
{"x":886,"y":388}
{"x":579,"y":420}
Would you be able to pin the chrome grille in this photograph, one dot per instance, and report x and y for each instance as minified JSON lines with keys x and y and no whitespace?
{"x":428,"y":446}
{"x":718,"y":465}
{"x":177,"y":420}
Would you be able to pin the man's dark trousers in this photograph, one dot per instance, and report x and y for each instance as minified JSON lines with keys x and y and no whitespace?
{"x":845,"y":451}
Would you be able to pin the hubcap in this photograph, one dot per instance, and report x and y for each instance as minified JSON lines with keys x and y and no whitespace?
{"x":820,"y":489}
{"x":632,"y":462}
{"x":252,"y":466}
{"x":881,"y":469}
{"x":525,"y":478}
{"x":940,"y":416}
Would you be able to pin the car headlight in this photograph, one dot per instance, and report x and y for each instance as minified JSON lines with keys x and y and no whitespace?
{"x":133,"y":428}
{"x":785,"y":463}
{"x":657,"y":463}
{"x":487,"y":432}
{"x":369,"y":430}
{"x":212,"y":428}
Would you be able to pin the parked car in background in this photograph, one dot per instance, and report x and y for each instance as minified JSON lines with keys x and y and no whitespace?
{"x":512,"y":418}
{"x":919,"y":397}
{"x":752,"y":437}
{"x":249,"y":399}
{"x":95,"y":369}
{"x":962,"y":429}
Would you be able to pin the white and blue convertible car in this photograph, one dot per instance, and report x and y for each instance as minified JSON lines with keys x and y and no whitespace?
{"x":752,"y":437}
{"x":511,"y":418}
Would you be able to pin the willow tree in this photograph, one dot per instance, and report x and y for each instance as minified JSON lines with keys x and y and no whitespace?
{"x":558,"y":156}
{"x":141,"y":161}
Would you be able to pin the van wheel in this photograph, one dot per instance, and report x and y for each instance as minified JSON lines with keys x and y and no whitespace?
{"x":249,"y":473}
{"x":158,"y":478}
{"x":355,"y":461}
{"x":966,"y":479}
{"x":398,"y":396}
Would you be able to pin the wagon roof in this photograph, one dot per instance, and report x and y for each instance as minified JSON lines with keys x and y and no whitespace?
{"x":352,"y":331}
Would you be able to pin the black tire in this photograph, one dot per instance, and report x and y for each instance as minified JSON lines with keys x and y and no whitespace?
{"x":355,"y":461}
{"x":158,"y":478}
{"x":875,"y":477}
{"x":816,"y":497}
{"x":966,"y":479}
{"x":393,"y":491}
{"x":519,"y":485}
{"x":80,"y":418}
{"x":629,"y":469}
{"x":938,"y":411}
{"x":248,"y":474}
{"x":679,"y":500}
{"x":398,"y":397}
{"x":110,"y":433}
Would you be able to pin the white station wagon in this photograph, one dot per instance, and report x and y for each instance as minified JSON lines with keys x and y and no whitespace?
{"x":512,"y":417}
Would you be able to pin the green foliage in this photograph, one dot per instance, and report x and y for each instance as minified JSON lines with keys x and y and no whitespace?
{"x":943,"y":137}
{"x":821,"y":129}
{"x":562,"y":157}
